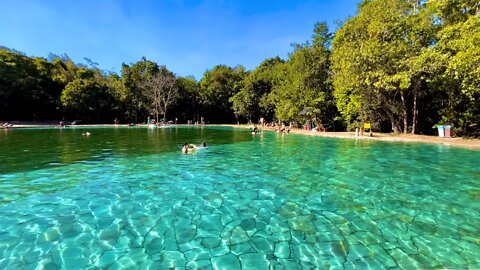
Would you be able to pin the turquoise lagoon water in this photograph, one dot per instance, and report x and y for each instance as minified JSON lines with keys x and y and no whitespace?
{"x":127,"y":198}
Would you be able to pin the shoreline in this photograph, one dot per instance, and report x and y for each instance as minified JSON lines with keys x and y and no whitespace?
{"x":472,"y":144}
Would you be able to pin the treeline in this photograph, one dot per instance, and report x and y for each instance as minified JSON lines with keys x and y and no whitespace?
{"x":402,"y":65}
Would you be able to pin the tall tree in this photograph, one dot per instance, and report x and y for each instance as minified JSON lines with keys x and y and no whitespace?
{"x":162,"y":91}
{"x":187,"y":107}
{"x":371,"y":61}
{"x":27,"y":90}
{"x":304,"y":82}
{"x":134,"y":77}
{"x":250,"y":101}
{"x":88,"y":97}
{"x":458,"y":50}
{"x":420,"y":63}
{"x":216,"y":88}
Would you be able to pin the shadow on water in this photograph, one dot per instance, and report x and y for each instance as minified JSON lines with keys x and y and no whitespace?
{"x":33,"y":149}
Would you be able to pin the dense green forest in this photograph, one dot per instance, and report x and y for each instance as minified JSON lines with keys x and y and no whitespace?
{"x":403,"y":65}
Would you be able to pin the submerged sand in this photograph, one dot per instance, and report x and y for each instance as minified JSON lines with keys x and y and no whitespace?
{"x":414,"y":138}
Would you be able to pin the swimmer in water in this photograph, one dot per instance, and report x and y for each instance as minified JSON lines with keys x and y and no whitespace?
{"x":187,"y":148}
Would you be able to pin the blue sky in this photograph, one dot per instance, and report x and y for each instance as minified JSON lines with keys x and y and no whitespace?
{"x":187,"y":36}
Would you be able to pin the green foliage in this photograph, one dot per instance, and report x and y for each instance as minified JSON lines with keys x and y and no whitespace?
{"x":216,"y":88}
{"x":373,"y":59}
{"x":251,"y":100}
{"x":88,"y":98}
{"x":304,"y":82}
{"x":458,"y":51}
{"x":454,"y":11}
{"x":27,"y":90}
{"x":134,"y":98}
{"x":64,"y":70}
{"x":187,"y":106}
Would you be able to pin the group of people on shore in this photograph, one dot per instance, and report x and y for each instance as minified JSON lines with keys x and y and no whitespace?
{"x":273,"y":125}
{"x":282,"y":129}
{"x":278,"y":129}
{"x":6,"y":125}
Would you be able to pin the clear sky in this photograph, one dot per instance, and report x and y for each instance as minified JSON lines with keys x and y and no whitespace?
{"x":188,"y":36}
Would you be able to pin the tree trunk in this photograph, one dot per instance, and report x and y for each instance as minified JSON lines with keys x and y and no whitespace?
{"x":415,"y":112}
{"x":165,"y":112}
{"x":395,"y":127}
{"x":405,"y":112}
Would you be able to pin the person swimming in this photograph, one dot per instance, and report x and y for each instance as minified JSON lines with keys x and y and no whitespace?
{"x":187,"y":148}
{"x":86,"y":133}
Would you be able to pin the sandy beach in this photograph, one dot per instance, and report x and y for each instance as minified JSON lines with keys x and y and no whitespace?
{"x":473,"y":144}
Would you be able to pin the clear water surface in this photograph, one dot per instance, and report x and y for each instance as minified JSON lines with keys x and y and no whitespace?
{"x":127,"y":198}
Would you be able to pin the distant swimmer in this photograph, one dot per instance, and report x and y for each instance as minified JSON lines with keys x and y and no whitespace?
{"x":86,"y":133}
{"x":203,"y":145}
